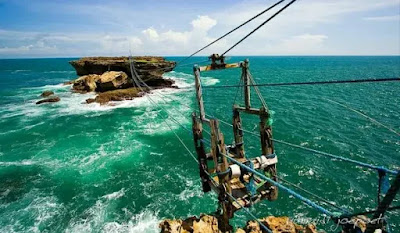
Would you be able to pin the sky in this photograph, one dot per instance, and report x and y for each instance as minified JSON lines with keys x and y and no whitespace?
{"x":72,"y":28}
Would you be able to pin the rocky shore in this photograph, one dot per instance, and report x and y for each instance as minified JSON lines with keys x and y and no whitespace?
{"x":111,"y":78}
{"x":209,"y":224}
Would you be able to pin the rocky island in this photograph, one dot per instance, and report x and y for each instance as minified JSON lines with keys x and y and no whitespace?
{"x":111,"y":77}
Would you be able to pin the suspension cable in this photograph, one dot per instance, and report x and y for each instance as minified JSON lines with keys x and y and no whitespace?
{"x":226,"y":34}
{"x":312,"y":83}
{"x":266,"y":21}
{"x":366,"y":116}
{"x":362,"y":164}
{"x":314,"y":195}
{"x":176,"y":135}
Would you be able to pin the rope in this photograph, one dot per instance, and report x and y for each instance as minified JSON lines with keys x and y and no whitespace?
{"x":166,"y":122}
{"x":258,"y":92}
{"x":371,"y":212}
{"x":312,"y":83}
{"x":184,"y":145}
{"x":169,"y":97}
{"x":238,"y":89}
{"x":364,"y":115}
{"x":266,"y":21}
{"x":314,"y":195}
{"x":169,"y":68}
{"x":362,"y":164}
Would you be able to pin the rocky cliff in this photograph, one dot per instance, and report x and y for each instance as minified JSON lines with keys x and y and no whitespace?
{"x":147,"y":67}
{"x":111,"y":77}
{"x":209,"y":224}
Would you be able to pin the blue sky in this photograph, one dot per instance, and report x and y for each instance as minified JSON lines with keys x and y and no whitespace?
{"x":55,"y":28}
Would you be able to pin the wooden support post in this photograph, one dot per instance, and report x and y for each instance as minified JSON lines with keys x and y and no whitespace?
{"x":238,"y":133}
{"x":218,"y":152}
{"x":267,"y":148}
{"x":377,"y":220}
{"x":197,"y":129}
{"x":265,"y":133}
{"x":199,"y":92}
{"x":246,"y":82}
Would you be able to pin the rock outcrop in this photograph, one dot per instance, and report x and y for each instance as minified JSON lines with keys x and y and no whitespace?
{"x":113,"y":80}
{"x":108,"y":81}
{"x":116,"y":95}
{"x":47,"y":93}
{"x":86,"y":83}
{"x":148,"y":68}
{"x":49,"y":100}
{"x":209,"y":224}
{"x":111,"y":76}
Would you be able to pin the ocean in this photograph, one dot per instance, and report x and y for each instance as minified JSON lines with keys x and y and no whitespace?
{"x":73,"y":167}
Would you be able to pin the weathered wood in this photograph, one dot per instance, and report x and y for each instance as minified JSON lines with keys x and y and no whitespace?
{"x":197,"y":129}
{"x":267,"y":148}
{"x":238,"y":133}
{"x":218,"y":152}
{"x":199,"y":92}
{"x":226,"y":66}
{"x":222,"y":180}
{"x":246,"y":82}
{"x":253,"y":111}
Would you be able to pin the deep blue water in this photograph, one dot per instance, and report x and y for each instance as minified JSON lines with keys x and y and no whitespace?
{"x":72,"y":167}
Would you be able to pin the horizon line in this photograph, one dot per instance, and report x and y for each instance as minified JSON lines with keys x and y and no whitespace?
{"x":323,"y":55}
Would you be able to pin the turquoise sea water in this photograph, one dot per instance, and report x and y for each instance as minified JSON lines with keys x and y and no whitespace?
{"x":72,"y":167}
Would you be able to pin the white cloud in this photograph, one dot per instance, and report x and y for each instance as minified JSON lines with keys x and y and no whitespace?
{"x":172,"y":42}
{"x":383,"y":18}
{"x":151,"y":33}
{"x":303,"y":44}
{"x":204,"y":23}
{"x":301,"y":29}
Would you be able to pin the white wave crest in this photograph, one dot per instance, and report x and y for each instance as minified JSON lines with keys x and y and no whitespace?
{"x":41,"y":210}
{"x":94,"y":220}
{"x":146,"y":222}
{"x":115,"y":195}
{"x":18,"y":163}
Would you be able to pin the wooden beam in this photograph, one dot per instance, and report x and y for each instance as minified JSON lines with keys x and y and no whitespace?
{"x":225,"y":66}
{"x":238,"y":133}
{"x":267,"y":148}
{"x":199,"y":92}
{"x":253,"y":111}
{"x":197,"y":129}
{"x":218,"y":151}
{"x":246,"y":83}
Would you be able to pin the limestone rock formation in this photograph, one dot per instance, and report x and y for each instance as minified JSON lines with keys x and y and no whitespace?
{"x":280,"y":224}
{"x":116,"y":95}
{"x":49,"y":100}
{"x":204,"y":224}
{"x":209,"y":224}
{"x":111,"y":77}
{"x":148,"y":68}
{"x":113,"y":80}
{"x":86,"y":83}
{"x":108,"y":81}
{"x":47,"y":93}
